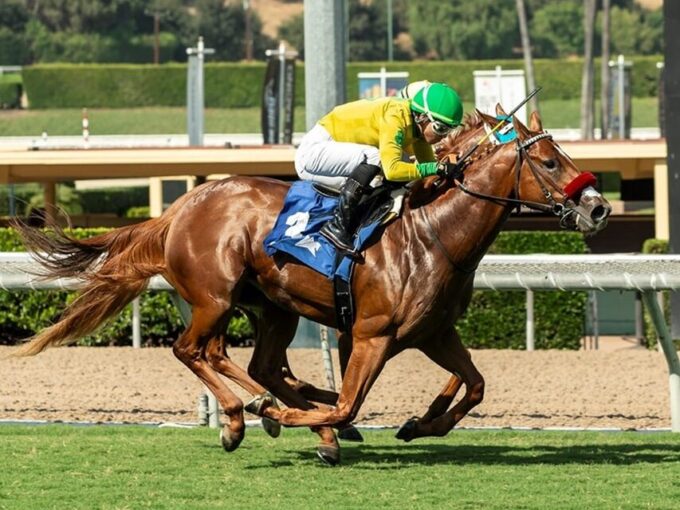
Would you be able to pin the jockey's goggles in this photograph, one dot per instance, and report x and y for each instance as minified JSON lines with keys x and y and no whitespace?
{"x":438,"y":126}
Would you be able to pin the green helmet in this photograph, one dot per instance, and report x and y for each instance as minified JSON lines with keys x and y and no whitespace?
{"x":439,"y":102}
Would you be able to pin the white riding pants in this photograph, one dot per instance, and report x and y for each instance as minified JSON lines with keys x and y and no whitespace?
{"x":321,"y":159}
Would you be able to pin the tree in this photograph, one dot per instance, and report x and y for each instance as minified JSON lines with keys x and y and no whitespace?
{"x":462,"y":29}
{"x":13,"y":15}
{"x":558,"y":30}
{"x":223,"y":28}
{"x":588,"y":71}
{"x":526,"y":50}
{"x":604,"y":69}
{"x":367,"y":31}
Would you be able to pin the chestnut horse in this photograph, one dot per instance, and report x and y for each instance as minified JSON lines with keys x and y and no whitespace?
{"x":411,"y":287}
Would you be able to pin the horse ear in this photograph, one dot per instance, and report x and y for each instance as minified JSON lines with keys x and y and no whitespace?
{"x":520,"y":128}
{"x":535,"y":123}
{"x":500,"y":111}
{"x":487,"y":118}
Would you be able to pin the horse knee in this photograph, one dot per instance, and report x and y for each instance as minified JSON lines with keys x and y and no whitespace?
{"x":476,"y":393}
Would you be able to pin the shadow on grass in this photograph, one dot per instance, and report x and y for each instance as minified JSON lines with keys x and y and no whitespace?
{"x":397,"y":456}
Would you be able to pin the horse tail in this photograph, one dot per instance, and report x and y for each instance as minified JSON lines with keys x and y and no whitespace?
{"x":116,"y":267}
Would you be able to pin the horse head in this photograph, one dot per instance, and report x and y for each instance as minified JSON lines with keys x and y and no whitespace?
{"x":544,"y":177}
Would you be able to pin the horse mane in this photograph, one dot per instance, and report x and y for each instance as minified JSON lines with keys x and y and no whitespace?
{"x":471,"y":121}
{"x":423,"y":191}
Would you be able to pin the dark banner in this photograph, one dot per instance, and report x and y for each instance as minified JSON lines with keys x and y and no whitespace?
{"x":273,"y":105}
{"x":270,"y":103}
{"x":288,"y":101}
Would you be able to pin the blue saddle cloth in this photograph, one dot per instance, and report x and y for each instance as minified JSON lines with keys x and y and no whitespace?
{"x":296,"y":232}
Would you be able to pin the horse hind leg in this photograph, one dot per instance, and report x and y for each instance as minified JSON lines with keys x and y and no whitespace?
{"x":216,"y":355}
{"x":276,"y":329}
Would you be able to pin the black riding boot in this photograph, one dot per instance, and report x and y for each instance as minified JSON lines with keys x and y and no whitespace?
{"x":340,"y":229}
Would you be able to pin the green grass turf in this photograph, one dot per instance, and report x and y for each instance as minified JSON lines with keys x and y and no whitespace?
{"x":556,"y":114}
{"x":59,"y":466}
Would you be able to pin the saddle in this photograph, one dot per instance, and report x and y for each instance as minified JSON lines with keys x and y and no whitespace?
{"x":306,"y":209}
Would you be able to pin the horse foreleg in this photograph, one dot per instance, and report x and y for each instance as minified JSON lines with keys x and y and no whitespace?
{"x":449,"y":353}
{"x":365,"y":364}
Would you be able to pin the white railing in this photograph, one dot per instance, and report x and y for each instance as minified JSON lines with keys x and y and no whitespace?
{"x":646,"y":274}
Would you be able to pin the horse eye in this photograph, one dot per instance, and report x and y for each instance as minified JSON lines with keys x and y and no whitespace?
{"x":550,"y":164}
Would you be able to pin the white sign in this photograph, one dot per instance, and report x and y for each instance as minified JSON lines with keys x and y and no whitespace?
{"x":505,"y":87}
{"x":382,"y":84}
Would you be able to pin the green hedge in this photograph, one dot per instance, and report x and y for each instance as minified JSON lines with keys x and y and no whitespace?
{"x":658,"y":247}
{"x":234,"y":85}
{"x":113,"y":200}
{"x":494,"y":319}
{"x":497,"y":319}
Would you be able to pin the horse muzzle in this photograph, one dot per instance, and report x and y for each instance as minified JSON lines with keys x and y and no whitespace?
{"x":590,"y":213}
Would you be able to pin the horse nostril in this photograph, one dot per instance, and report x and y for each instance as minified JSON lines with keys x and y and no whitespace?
{"x":599,"y":213}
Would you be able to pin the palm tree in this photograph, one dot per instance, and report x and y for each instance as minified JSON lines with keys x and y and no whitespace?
{"x":526,"y":49}
{"x":587,"y":78}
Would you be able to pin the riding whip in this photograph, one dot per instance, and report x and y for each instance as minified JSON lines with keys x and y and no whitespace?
{"x":500,"y":123}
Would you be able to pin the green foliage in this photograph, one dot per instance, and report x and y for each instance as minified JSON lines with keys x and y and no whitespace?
{"x":23,"y":194}
{"x":463,"y":30}
{"x":488,"y":29}
{"x":497,"y":319}
{"x":138,"y":212}
{"x":230,"y":85}
{"x":222,"y":25}
{"x":557,"y":30}
{"x":13,"y":50}
{"x":114,"y":200}
{"x":656,"y":247}
{"x":10,"y":95}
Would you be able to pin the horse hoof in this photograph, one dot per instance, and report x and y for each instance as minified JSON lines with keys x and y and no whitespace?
{"x":351,"y":433}
{"x":229,"y":441}
{"x":259,"y":404}
{"x":407,"y":432}
{"x":329,"y":454}
{"x":271,"y":427}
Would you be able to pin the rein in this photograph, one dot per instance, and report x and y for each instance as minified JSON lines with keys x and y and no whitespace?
{"x":554,"y":207}
{"x":563,"y":210}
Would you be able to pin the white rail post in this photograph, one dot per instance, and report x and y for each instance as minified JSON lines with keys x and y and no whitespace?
{"x":136,"y":324}
{"x":671,"y":356}
{"x":327,"y":359}
{"x":530,"y":320}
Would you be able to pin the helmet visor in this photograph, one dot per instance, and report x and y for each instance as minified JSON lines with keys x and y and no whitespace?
{"x":439,"y":127}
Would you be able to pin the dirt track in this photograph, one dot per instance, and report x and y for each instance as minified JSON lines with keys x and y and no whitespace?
{"x":626,"y":388}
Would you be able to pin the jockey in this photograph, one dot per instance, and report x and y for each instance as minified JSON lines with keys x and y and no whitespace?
{"x":349,"y":147}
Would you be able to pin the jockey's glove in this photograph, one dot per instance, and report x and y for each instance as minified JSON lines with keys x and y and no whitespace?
{"x":448,"y":170}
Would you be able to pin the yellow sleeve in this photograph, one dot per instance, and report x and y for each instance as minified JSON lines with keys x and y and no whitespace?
{"x":423,"y":151}
{"x":391,"y":145}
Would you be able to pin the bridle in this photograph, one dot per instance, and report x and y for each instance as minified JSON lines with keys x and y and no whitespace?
{"x":564,"y":209}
